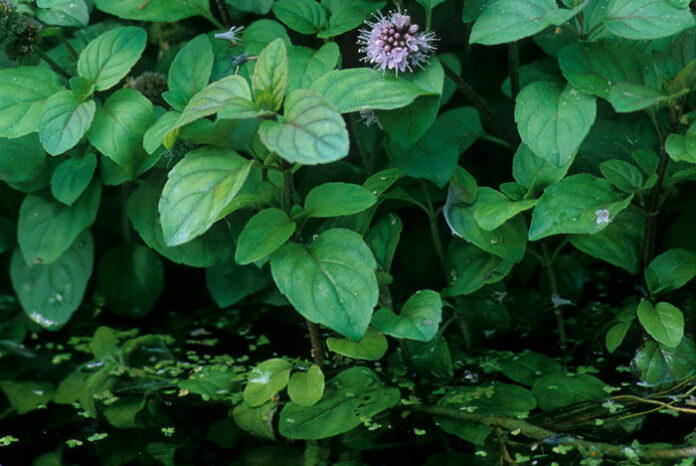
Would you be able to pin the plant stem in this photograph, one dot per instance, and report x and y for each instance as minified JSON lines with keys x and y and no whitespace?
{"x":434,"y":230}
{"x":68,"y":46}
{"x":650,"y":229}
{"x":428,"y":18}
{"x":514,"y":68}
{"x":224,"y":13}
{"x":547,"y":264}
{"x":552,"y":438}
{"x":481,"y":105}
{"x":56,"y":67}
{"x":314,"y":332}
{"x":317,"y":344}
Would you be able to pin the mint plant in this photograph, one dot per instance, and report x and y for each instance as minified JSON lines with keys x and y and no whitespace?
{"x":347,"y":232}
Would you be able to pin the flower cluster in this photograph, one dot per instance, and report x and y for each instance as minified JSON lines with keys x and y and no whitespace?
{"x":393,"y":43}
{"x":19,"y":32}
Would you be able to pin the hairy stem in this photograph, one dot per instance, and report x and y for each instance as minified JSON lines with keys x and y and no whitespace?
{"x":650,"y":229}
{"x":552,"y":438}
{"x":55,"y":66}
{"x":224,"y":13}
{"x":317,"y":344}
{"x":481,"y":105}
{"x":547,"y":265}
{"x":434,"y":230}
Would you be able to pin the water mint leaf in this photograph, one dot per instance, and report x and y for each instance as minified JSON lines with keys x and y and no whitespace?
{"x":64,"y":121}
{"x":331,"y":281}
{"x":198,"y":191}
{"x":553,"y":120}
{"x":311,"y":133}
{"x":108,"y":58}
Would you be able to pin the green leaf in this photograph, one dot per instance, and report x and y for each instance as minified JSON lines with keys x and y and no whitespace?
{"x":221,"y":96}
{"x":595,"y":67}
{"x":262,"y":32}
{"x":345,"y":15}
{"x":619,"y":243}
{"x":559,"y":389}
{"x":354,"y":395}
{"x":118,"y":129}
{"x":189,"y":72}
{"x":383,"y":238}
{"x":323,"y":61}
{"x":508,"y":241}
{"x":198,"y":191}
{"x":362,"y":88}
{"x":122,"y":413}
{"x":155,"y":134}
{"x":270,"y":77}
{"x":528,"y":368}
{"x":74,"y":13}
{"x":50,"y":293}
{"x":303,"y":16}
{"x":553,"y":120}
{"x":311,"y":133}
{"x":434,"y":157}
{"x":493,"y":208}
{"x":306,"y":388}
{"x":165,"y":11}
{"x":23,"y":93}
{"x":265,"y":380}
{"x":264,"y":233}
{"x":26,"y":396}
{"x":257,"y":421}
{"x":646,"y":19}
{"x":337,"y":199}
{"x":629,"y":97}
{"x":330,"y":281}
{"x":64,"y":120}
{"x":130,"y":278}
{"x":615,"y":335}
{"x":661,"y":367}
{"x":670,"y":271}
{"x":370,"y":347}
{"x":682,"y":148}
{"x":431,"y":360}
{"x":510,"y":20}
{"x":578,"y":204}
{"x":214,"y":382}
{"x":109,"y":57}
{"x":407,"y":125}
{"x":71,"y":178}
{"x":229,"y":282}
{"x":47,"y":228}
{"x":419,"y":319}
{"x":259,"y":7}
{"x":213,"y":247}
{"x":21,"y":159}
{"x":534,"y":173}
{"x":623,"y":175}
{"x":469,"y":268}
{"x":104,"y":343}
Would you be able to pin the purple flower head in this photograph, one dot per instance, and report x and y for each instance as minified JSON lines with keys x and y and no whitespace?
{"x":393,"y":43}
{"x":231,"y":35}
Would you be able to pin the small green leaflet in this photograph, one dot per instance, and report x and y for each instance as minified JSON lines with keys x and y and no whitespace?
{"x":418,"y":320}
